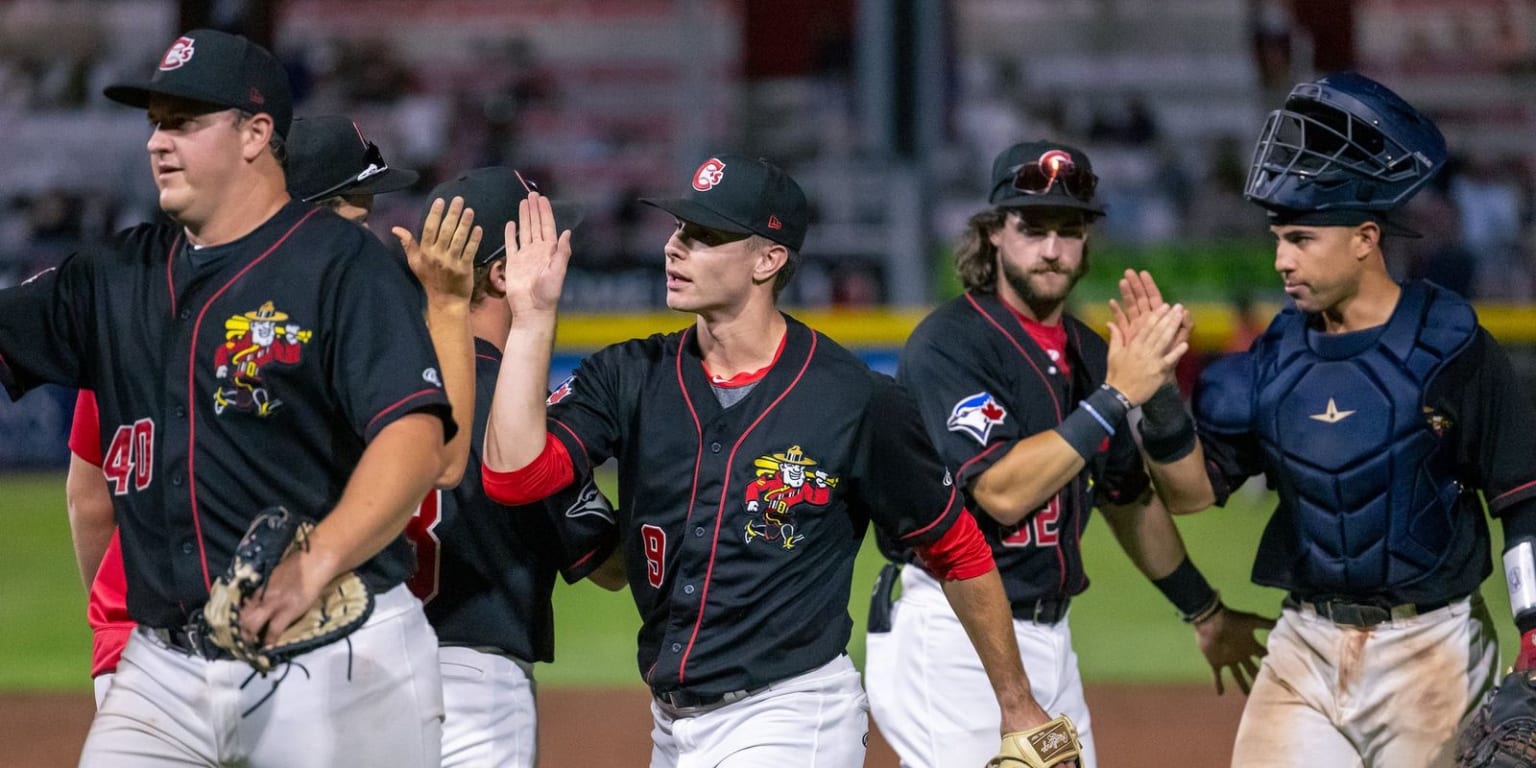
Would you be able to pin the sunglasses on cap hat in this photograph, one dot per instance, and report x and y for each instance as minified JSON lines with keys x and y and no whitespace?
{"x":374,"y":165}
{"x":1038,"y":177}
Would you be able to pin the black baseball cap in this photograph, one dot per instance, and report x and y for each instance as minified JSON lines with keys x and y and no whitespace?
{"x":743,"y":195}
{"x":1044,"y":174}
{"x":328,"y":155}
{"x":493,"y":193}
{"x":217,"y":68}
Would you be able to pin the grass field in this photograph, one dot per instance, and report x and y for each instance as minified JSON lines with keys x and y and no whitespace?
{"x":1124,"y":631}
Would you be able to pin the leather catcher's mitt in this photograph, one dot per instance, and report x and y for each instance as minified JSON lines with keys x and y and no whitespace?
{"x":275,"y":534}
{"x":1040,"y":747}
{"x":1503,"y":732}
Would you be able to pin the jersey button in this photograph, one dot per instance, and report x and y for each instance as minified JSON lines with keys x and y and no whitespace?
{"x":187,"y":548}
{"x":186,"y":314}
{"x":688,"y":589}
{"x":677,"y":647}
{"x":177,"y":480}
{"x":699,"y":531}
{"x":714,"y":447}
{"x":180,"y":412}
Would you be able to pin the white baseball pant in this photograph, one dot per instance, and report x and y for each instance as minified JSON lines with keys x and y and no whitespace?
{"x":818,"y":719}
{"x":931,"y":697}
{"x":491,"y":718}
{"x":1391,"y":696}
{"x":374,"y":701}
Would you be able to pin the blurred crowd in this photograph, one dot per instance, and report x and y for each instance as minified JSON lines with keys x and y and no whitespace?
{"x":1162,"y":187}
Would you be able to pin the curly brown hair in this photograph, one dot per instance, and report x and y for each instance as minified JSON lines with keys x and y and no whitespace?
{"x":975,"y":255}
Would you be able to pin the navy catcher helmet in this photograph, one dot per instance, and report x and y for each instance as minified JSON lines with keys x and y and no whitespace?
{"x":1345,"y":142}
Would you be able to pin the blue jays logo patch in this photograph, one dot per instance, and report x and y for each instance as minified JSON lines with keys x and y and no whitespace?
{"x":563,"y":391}
{"x":976,"y":415}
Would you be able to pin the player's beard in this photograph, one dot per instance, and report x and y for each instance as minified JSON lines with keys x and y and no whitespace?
{"x":1044,"y":302}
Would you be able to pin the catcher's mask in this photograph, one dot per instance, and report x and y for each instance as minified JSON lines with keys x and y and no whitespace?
{"x":1343,"y":142}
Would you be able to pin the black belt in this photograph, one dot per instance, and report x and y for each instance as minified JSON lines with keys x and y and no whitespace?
{"x":1047,"y":610}
{"x":192,"y":641}
{"x":1356,"y":614}
{"x":688,"y":700}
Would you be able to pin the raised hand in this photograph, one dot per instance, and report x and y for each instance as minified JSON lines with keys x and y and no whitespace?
{"x":1139,"y":297}
{"x":1228,"y":643}
{"x":444,"y":260}
{"x":536,"y":270}
{"x":1143,"y":353}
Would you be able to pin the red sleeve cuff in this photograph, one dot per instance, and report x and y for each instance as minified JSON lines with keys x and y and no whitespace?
{"x":961,"y":553}
{"x":550,"y":471}
{"x":85,"y":428}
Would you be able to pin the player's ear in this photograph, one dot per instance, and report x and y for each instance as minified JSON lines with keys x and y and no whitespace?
{"x":770,"y":259}
{"x":1367,"y":238}
{"x":255,"y":135}
{"x":498,"y":277}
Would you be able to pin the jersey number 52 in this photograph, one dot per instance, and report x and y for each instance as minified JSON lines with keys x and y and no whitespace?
{"x":1040,"y":528}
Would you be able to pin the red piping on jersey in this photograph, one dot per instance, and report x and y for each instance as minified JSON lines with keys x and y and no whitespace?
{"x":170,"y":258}
{"x":197,"y":522}
{"x":725,"y":494}
{"x":961,"y":471}
{"x":584,"y":558}
{"x":1513,"y":491}
{"x":397,"y":404}
{"x":1077,"y":507}
{"x":583,"y":446}
{"x":1061,"y":560}
{"x":938,"y":519}
{"x":693,"y":494}
{"x":1055,"y":403}
{"x":479,"y":356}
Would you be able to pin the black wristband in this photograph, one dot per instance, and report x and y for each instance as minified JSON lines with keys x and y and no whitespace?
{"x":1167,"y":431}
{"x":1188,"y":590}
{"x":1095,"y":419}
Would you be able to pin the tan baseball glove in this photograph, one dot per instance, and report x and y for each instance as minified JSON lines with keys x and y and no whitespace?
{"x":273,"y":536}
{"x":1043,"y":746}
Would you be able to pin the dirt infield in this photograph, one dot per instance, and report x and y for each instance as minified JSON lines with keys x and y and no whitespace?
{"x":1134,"y":726}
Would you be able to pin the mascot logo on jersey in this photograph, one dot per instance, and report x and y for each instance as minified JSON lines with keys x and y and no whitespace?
{"x":976,"y":416}
{"x":253,"y":341}
{"x":784,"y":481}
{"x":708,"y":175}
{"x":178,"y":54}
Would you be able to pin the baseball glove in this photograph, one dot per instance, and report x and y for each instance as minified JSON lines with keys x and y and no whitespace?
{"x":1503,"y":732}
{"x":1040,"y":747}
{"x":275,"y":534}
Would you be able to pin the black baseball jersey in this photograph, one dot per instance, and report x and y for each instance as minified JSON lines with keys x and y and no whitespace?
{"x":740,"y":525}
{"x":229,"y":379}
{"x":1473,"y":411}
{"x":486,"y":571}
{"x":983,"y":384}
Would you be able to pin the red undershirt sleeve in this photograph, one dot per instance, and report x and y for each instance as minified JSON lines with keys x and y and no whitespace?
{"x":550,"y":471}
{"x":961,"y":553}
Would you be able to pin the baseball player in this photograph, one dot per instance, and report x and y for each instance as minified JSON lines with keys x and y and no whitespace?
{"x":353,"y":431}
{"x":1379,"y":411}
{"x":486,"y":572}
{"x":753,"y":452}
{"x":1030,"y":405}
{"x":320,"y":151}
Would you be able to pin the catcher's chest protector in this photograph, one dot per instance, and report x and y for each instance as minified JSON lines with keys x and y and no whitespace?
{"x":1367,"y":498}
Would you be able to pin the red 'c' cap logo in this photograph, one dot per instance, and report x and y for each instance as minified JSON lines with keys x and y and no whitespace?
{"x":178,"y":54}
{"x":1054,"y":162}
{"x":708,"y":175}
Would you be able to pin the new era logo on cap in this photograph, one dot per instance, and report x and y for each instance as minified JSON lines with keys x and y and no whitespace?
{"x":708,"y":175}
{"x":178,"y":54}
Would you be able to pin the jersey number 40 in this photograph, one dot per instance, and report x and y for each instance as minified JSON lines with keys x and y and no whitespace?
{"x":130,"y":457}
